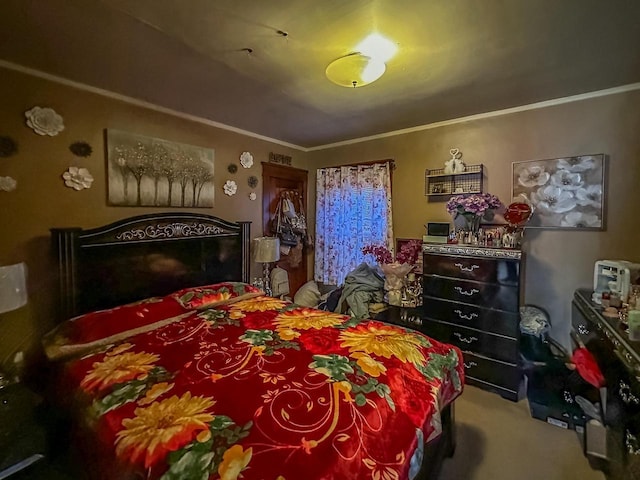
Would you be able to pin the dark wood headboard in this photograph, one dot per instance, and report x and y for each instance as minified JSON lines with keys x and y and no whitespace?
{"x":145,"y":256}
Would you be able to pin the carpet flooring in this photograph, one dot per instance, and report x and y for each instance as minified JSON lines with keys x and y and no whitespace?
{"x":499,"y":440}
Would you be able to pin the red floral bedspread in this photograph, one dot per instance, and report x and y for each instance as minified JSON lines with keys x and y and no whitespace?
{"x":265,"y":389}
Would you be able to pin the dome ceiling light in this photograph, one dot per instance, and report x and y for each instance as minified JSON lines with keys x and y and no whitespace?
{"x":363,"y":66}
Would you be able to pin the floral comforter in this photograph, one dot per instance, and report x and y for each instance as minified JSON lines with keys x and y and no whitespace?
{"x":264,"y":389}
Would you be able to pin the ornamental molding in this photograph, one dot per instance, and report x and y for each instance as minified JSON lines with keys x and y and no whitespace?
{"x":472,"y":251}
{"x":171,"y":230}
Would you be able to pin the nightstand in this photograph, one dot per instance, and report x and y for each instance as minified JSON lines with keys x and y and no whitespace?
{"x":410,"y":317}
{"x":22,"y":436}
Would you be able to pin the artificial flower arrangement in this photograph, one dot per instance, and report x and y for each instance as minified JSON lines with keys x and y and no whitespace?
{"x":473,"y":207}
{"x":409,"y":253}
{"x":395,"y":272}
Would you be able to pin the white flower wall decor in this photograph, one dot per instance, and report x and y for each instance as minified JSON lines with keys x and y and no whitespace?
{"x":77,"y":178}
{"x":8,"y":184}
{"x":230,"y":187}
{"x":44,"y":121}
{"x":246,"y":160}
{"x":253,"y":196}
{"x":564,"y":192}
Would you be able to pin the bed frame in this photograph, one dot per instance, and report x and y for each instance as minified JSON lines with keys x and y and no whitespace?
{"x":157,"y":254}
{"x":146,"y":256}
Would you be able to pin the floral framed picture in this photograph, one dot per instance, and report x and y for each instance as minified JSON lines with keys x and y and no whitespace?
{"x":567,"y":192}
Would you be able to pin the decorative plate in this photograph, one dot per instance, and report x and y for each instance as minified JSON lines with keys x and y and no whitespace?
{"x":77,"y":178}
{"x":44,"y":121}
{"x":252,"y":196}
{"x":8,"y":184}
{"x":246,"y":160}
{"x":8,"y":146}
{"x":230,"y":187}
{"x":253,"y":181}
{"x":81,"y":149}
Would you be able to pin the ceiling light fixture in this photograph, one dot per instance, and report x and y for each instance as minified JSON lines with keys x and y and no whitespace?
{"x":365,"y":65}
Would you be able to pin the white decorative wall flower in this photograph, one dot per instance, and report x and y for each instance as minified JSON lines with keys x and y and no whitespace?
{"x":230,"y":187}
{"x":552,"y":199}
{"x":44,"y":121}
{"x":534,"y":175}
{"x":590,"y":196}
{"x":246,"y":159}
{"x":581,"y":220}
{"x":567,"y":180}
{"x":253,"y":196}
{"x":577,"y":164}
{"x":77,"y":178}
{"x":8,"y":184}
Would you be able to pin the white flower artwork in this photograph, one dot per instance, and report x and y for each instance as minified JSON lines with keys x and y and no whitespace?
{"x":230,"y":187}
{"x":564,"y":192}
{"x":8,"y":184}
{"x":253,"y":196}
{"x":77,"y":178}
{"x":44,"y":121}
{"x":246,"y":160}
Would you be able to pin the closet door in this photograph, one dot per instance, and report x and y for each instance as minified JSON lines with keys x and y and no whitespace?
{"x":275,"y":180}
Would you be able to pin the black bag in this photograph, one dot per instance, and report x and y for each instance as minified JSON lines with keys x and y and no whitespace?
{"x":287,"y":237}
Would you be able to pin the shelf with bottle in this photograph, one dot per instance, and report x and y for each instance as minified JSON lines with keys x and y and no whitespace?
{"x":439,"y":183}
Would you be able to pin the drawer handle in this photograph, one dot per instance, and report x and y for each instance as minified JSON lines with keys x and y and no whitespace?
{"x":466,"y":292}
{"x":466,"y":269}
{"x":626,"y":395}
{"x":631,"y":442}
{"x":583,"y":330}
{"x":471,"y":316}
{"x":465,"y":339}
{"x":470,"y":365}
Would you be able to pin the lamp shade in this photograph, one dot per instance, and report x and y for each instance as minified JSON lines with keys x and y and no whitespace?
{"x":13,"y":287}
{"x":266,"y":249}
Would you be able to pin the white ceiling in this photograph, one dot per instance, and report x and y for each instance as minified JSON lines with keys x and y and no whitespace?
{"x":456,"y":57}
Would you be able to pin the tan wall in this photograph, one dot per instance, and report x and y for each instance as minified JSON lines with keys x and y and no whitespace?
{"x":558,"y":261}
{"x":41,"y":200}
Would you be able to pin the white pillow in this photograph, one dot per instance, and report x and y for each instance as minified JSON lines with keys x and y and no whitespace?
{"x":308,"y":295}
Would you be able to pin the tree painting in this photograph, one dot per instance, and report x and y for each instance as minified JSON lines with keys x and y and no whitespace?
{"x":145,"y":171}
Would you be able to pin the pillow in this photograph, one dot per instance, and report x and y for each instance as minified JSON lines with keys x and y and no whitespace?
{"x":208,"y":296}
{"x":87,"y":331}
{"x":308,"y":295}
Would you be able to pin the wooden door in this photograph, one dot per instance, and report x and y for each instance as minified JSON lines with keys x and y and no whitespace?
{"x":275,"y":180}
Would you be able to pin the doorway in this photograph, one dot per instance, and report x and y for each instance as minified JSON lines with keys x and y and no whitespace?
{"x":277,"y":179}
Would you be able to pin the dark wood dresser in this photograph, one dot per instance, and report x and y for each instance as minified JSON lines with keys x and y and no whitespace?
{"x":471,"y":298}
{"x":619,"y":360}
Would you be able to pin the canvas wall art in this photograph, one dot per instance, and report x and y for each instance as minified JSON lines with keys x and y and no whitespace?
{"x":566,"y":192}
{"x":150,"y":172}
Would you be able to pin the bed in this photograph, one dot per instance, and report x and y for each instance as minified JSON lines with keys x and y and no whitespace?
{"x":172,"y":366}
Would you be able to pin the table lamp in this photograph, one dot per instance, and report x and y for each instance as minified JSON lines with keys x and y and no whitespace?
{"x":13,"y":287}
{"x":266,"y":251}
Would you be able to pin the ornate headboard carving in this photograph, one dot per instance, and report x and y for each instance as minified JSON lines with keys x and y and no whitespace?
{"x":145,"y":256}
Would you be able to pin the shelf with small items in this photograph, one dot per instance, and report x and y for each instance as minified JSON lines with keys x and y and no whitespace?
{"x":439,"y":183}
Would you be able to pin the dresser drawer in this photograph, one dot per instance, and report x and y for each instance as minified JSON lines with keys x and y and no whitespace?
{"x":487,"y":344}
{"x":488,"y":295}
{"x":490,"y":270}
{"x":490,"y":372}
{"x":485,"y":319}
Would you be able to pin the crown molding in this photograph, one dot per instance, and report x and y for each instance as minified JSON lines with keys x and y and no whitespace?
{"x":479,"y":116}
{"x":194,"y":118}
{"x":140,"y":103}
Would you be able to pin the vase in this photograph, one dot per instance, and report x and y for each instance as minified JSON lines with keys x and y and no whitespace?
{"x":395,"y":280}
{"x":467,"y":222}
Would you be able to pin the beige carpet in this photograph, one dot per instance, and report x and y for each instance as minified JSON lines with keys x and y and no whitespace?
{"x":498,"y":440}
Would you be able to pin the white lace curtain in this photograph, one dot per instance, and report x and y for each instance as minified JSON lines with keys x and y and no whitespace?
{"x":353,"y":209}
